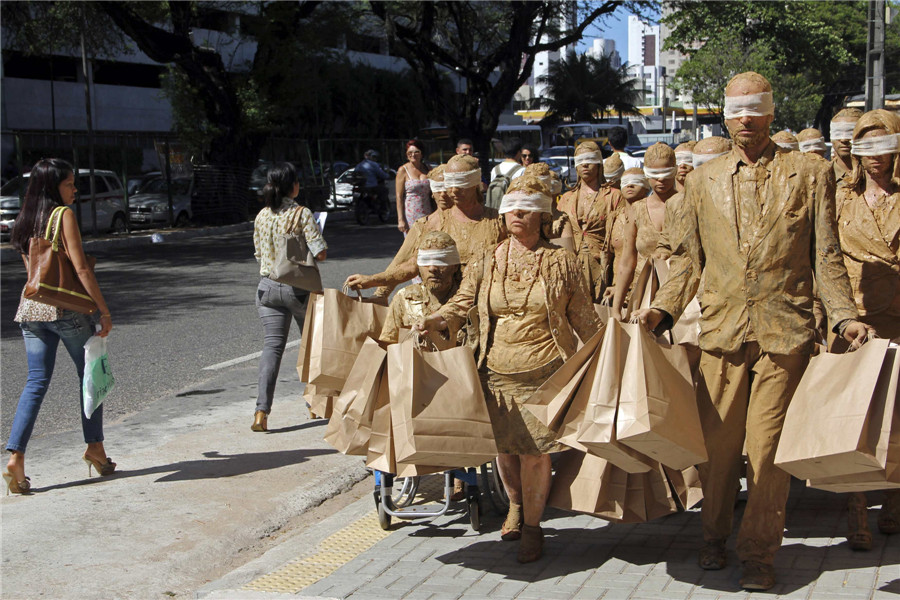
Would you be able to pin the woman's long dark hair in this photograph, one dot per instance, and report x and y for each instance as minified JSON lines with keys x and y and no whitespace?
{"x":281,"y":179}
{"x":41,"y":198}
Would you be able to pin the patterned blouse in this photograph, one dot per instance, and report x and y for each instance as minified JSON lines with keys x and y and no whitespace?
{"x":268,"y":226}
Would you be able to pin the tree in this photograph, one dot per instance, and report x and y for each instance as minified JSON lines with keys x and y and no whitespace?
{"x":811,"y":50}
{"x":491,"y":46}
{"x":234,"y":125}
{"x":582,"y":88}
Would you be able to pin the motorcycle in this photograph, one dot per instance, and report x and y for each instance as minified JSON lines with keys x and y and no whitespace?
{"x":367,"y":201}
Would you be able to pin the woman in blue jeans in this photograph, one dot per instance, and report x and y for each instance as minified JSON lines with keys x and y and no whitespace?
{"x":52,"y":184}
{"x":278,"y":304}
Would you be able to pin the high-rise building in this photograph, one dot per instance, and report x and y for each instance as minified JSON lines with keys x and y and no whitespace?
{"x":643,"y":58}
{"x":604,"y":47}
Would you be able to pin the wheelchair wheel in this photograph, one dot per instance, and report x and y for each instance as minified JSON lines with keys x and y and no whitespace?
{"x":493,"y":487}
{"x":474,"y":507}
{"x":384,"y":519}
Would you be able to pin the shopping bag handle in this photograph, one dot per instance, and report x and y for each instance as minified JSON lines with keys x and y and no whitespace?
{"x":346,"y":291}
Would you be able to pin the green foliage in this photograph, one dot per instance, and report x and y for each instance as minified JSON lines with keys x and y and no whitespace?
{"x":812,"y":52}
{"x":582,"y":88}
{"x":44,"y":28}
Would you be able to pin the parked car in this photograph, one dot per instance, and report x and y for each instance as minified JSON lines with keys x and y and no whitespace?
{"x":134,"y":183}
{"x":343,"y":191}
{"x":108,"y":192}
{"x":150,"y":205}
{"x":564,"y":165}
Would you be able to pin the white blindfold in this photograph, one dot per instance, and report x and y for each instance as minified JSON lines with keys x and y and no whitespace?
{"x":814,"y":145}
{"x":788,"y":145}
{"x":439,"y":257}
{"x":842,"y":130}
{"x":527,"y":201}
{"x":436,"y":186}
{"x":749,"y":105}
{"x":684,"y":158}
{"x":590,"y":158}
{"x":875,"y":146}
{"x":667,"y":173}
{"x":466,"y":179}
{"x":635,"y":179}
{"x":700,"y":159}
{"x":615,"y":175}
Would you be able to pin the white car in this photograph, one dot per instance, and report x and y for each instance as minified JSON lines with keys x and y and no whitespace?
{"x":343,"y":191}
{"x":566,"y":166}
{"x":110,"y":201}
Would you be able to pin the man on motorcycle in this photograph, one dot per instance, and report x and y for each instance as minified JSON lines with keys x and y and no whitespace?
{"x":375,"y":176}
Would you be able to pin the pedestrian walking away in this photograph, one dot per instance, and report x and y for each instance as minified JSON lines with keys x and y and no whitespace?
{"x":51,"y":191}
{"x":277,"y":303}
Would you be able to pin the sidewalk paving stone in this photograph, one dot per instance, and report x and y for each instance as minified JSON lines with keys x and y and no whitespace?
{"x":587,"y":558}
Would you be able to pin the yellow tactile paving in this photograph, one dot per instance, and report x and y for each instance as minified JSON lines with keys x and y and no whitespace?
{"x":339,"y":548}
{"x":332,"y":553}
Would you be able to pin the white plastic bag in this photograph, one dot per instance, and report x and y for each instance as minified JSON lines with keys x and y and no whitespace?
{"x":98,"y":377}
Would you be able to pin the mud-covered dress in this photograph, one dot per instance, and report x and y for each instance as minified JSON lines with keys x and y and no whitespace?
{"x":870,"y":240}
{"x":591,"y":219}
{"x":526,"y":329}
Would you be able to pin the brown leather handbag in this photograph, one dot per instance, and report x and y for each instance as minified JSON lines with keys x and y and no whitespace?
{"x":51,"y":276}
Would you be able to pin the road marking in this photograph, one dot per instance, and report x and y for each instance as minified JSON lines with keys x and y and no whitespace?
{"x":240,"y":359}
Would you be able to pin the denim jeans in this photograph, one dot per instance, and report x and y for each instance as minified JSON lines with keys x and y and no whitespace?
{"x":41,"y":342}
{"x":277,"y":304}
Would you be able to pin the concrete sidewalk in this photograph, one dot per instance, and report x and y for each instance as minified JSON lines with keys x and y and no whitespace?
{"x":196,"y":494}
{"x":585,"y":558}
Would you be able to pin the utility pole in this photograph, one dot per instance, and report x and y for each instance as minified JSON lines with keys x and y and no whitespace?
{"x":875,"y":55}
{"x":88,"y":72}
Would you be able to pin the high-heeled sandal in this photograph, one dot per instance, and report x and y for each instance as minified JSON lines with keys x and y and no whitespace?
{"x":16,"y":487}
{"x":103,"y":469}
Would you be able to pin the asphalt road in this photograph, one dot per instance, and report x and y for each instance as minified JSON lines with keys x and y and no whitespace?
{"x":177,"y":307}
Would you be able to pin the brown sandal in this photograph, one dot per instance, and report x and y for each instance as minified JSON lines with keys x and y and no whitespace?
{"x":512,"y":526}
{"x":532,"y":545}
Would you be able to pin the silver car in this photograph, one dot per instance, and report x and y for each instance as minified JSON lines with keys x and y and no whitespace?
{"x":150,"y":205}
{"x":108,"y":192}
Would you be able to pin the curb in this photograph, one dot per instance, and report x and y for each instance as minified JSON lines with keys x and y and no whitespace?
{"x":9,"y":254}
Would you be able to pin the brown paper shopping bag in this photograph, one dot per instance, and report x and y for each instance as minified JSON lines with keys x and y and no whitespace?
{"x":320,"y":402}
{"x":551,"y":401}
{"x":659,"y":500}
{"x":380,"y":455}
{"x":599,"y":394}
{"x":582,"y":484}
{"x":351,"y":421}
{"x":889,"y":476}
{"x":604,"y":311}
{"x":345,"y":324}
{"x":307,"y":334}
{"x":839,"y":419}
{"x":438,"y":412}
{"x":658,"y":414}
{"x":686,"y":485}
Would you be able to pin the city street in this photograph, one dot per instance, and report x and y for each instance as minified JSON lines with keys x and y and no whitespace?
{"x":177,"y":308}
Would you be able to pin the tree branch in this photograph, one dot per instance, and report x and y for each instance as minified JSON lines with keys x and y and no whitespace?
{"x":576,"y":34}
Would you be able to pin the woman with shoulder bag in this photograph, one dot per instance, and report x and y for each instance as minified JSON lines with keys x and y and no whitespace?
{"x":279,"y":303}
{"x":52,"y":185}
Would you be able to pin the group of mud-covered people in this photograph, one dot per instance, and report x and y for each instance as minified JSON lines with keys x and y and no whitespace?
{"x":756,"y":232}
